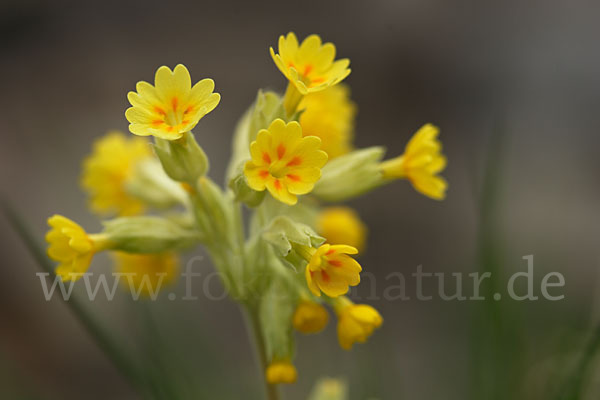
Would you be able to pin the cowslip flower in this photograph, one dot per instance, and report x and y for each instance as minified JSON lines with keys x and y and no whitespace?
{"x":342,"y":225}
{"x":356,"y":322}
{"x":310,"y":66}
{"x":107,"y":170}
{"x":281,"y":372}
{"x":284,"y":162}
{"x":310,"y":317}
{"x":421,"y":162}
{"x":329,"y":114}
{"x":329,"y":389}
{"x":172,"y":106}
{"x":331,"y":270}
{"x":148,"y":272}
{"x":72,"y":247}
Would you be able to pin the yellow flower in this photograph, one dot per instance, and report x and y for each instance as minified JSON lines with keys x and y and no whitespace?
{"x":329,"y":389}
{"x":310,"y":317}
{"x":147,"y":269}
{"x":284,"y":162}
{"x":310,"y":66}
{"x":329,"y":114}
{"x":172,"y":106}
{"x":342,"y":225}
{"x":72,"y":247}
{"x":107,"y":170}
{"x":281,"y":372}
{"x":421,"y":162}
{"x":356,"y":322}
{"x":331,"y":270}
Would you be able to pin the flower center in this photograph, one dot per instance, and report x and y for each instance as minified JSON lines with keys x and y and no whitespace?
{"x":174,"y":115}
{"x":277,"y":170}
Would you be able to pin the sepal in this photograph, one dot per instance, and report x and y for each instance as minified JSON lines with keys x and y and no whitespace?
{"x":286,"y":236}
{"x":153,"y":186}
{"x":183,"y":160}
{"x":244,"y":193}
{"x":350,"y":175}
{"x":147,"y":234}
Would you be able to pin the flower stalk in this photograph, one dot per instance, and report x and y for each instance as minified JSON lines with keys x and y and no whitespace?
{"x":257,"y":339}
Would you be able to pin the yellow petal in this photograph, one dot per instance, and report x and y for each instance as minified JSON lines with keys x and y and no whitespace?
{"x":312,"y":286}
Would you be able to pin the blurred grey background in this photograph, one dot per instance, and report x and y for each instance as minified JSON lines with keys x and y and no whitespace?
{"x":514,"y":82}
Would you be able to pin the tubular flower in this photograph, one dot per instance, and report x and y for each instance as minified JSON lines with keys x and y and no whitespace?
{"x":281,"y":372}
{"x":421,"y":162}
{"x":356,"y":322}
{"x":172,"y":106}
{"x":342,"y":225}
{"x":310,"y":66}
{"x":284,"y":162}
{"x":107,"y":170}
{"x":331,"y":270}
{"x":310,"y":317}
{"x":72,"y":247}
{"x":148,"y":271}
{"x":329,"y":114}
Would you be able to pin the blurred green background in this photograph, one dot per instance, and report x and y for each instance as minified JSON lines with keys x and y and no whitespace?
{"x":514,"y":87}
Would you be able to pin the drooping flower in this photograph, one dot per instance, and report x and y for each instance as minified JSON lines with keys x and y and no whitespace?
{"x":72,"y":247}
{"x":342,"y":225}
{"x":331,"y":270}
{"x":284,"y":162}
{"x":107,"y":170}
{"x":281,"y":372}
{"x":329,"y":389}
{"x":329,"y":114}
{"x":310,"y":317}
{"x":172,"y":106}
{"x":356,"y":322}
{"x":421,"y":162}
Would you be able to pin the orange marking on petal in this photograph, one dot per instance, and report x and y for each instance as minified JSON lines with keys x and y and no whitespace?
{"x":266,"y":158}
{"x":307,"y":69}
{"x":291,"y":65}
{"x":277,"y":184}
{"x":159,"y":110}
{"x":174,"y":103}
{"x":293,"y":177}
{"x":185,"y":122}
{"x":294,"y":161}
{"x":264,"y":174}
{"x":157,"y":122}
{"x":280,"y":151}
{"x":314,"y":82}
{"x":335,"y":263}
{"x":330,"y":252}
{"x":170,"y":129}
{"x":188,"y":110}
{"x":325,"y":276}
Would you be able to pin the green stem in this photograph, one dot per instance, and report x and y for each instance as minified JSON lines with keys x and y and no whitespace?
{"x":574,"y":384}
{"x":254,"y":330}
{"x":494,"y":329}
{"x":110,"y":347}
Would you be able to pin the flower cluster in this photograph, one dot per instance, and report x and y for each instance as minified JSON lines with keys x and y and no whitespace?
{"x":291,"y":153}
